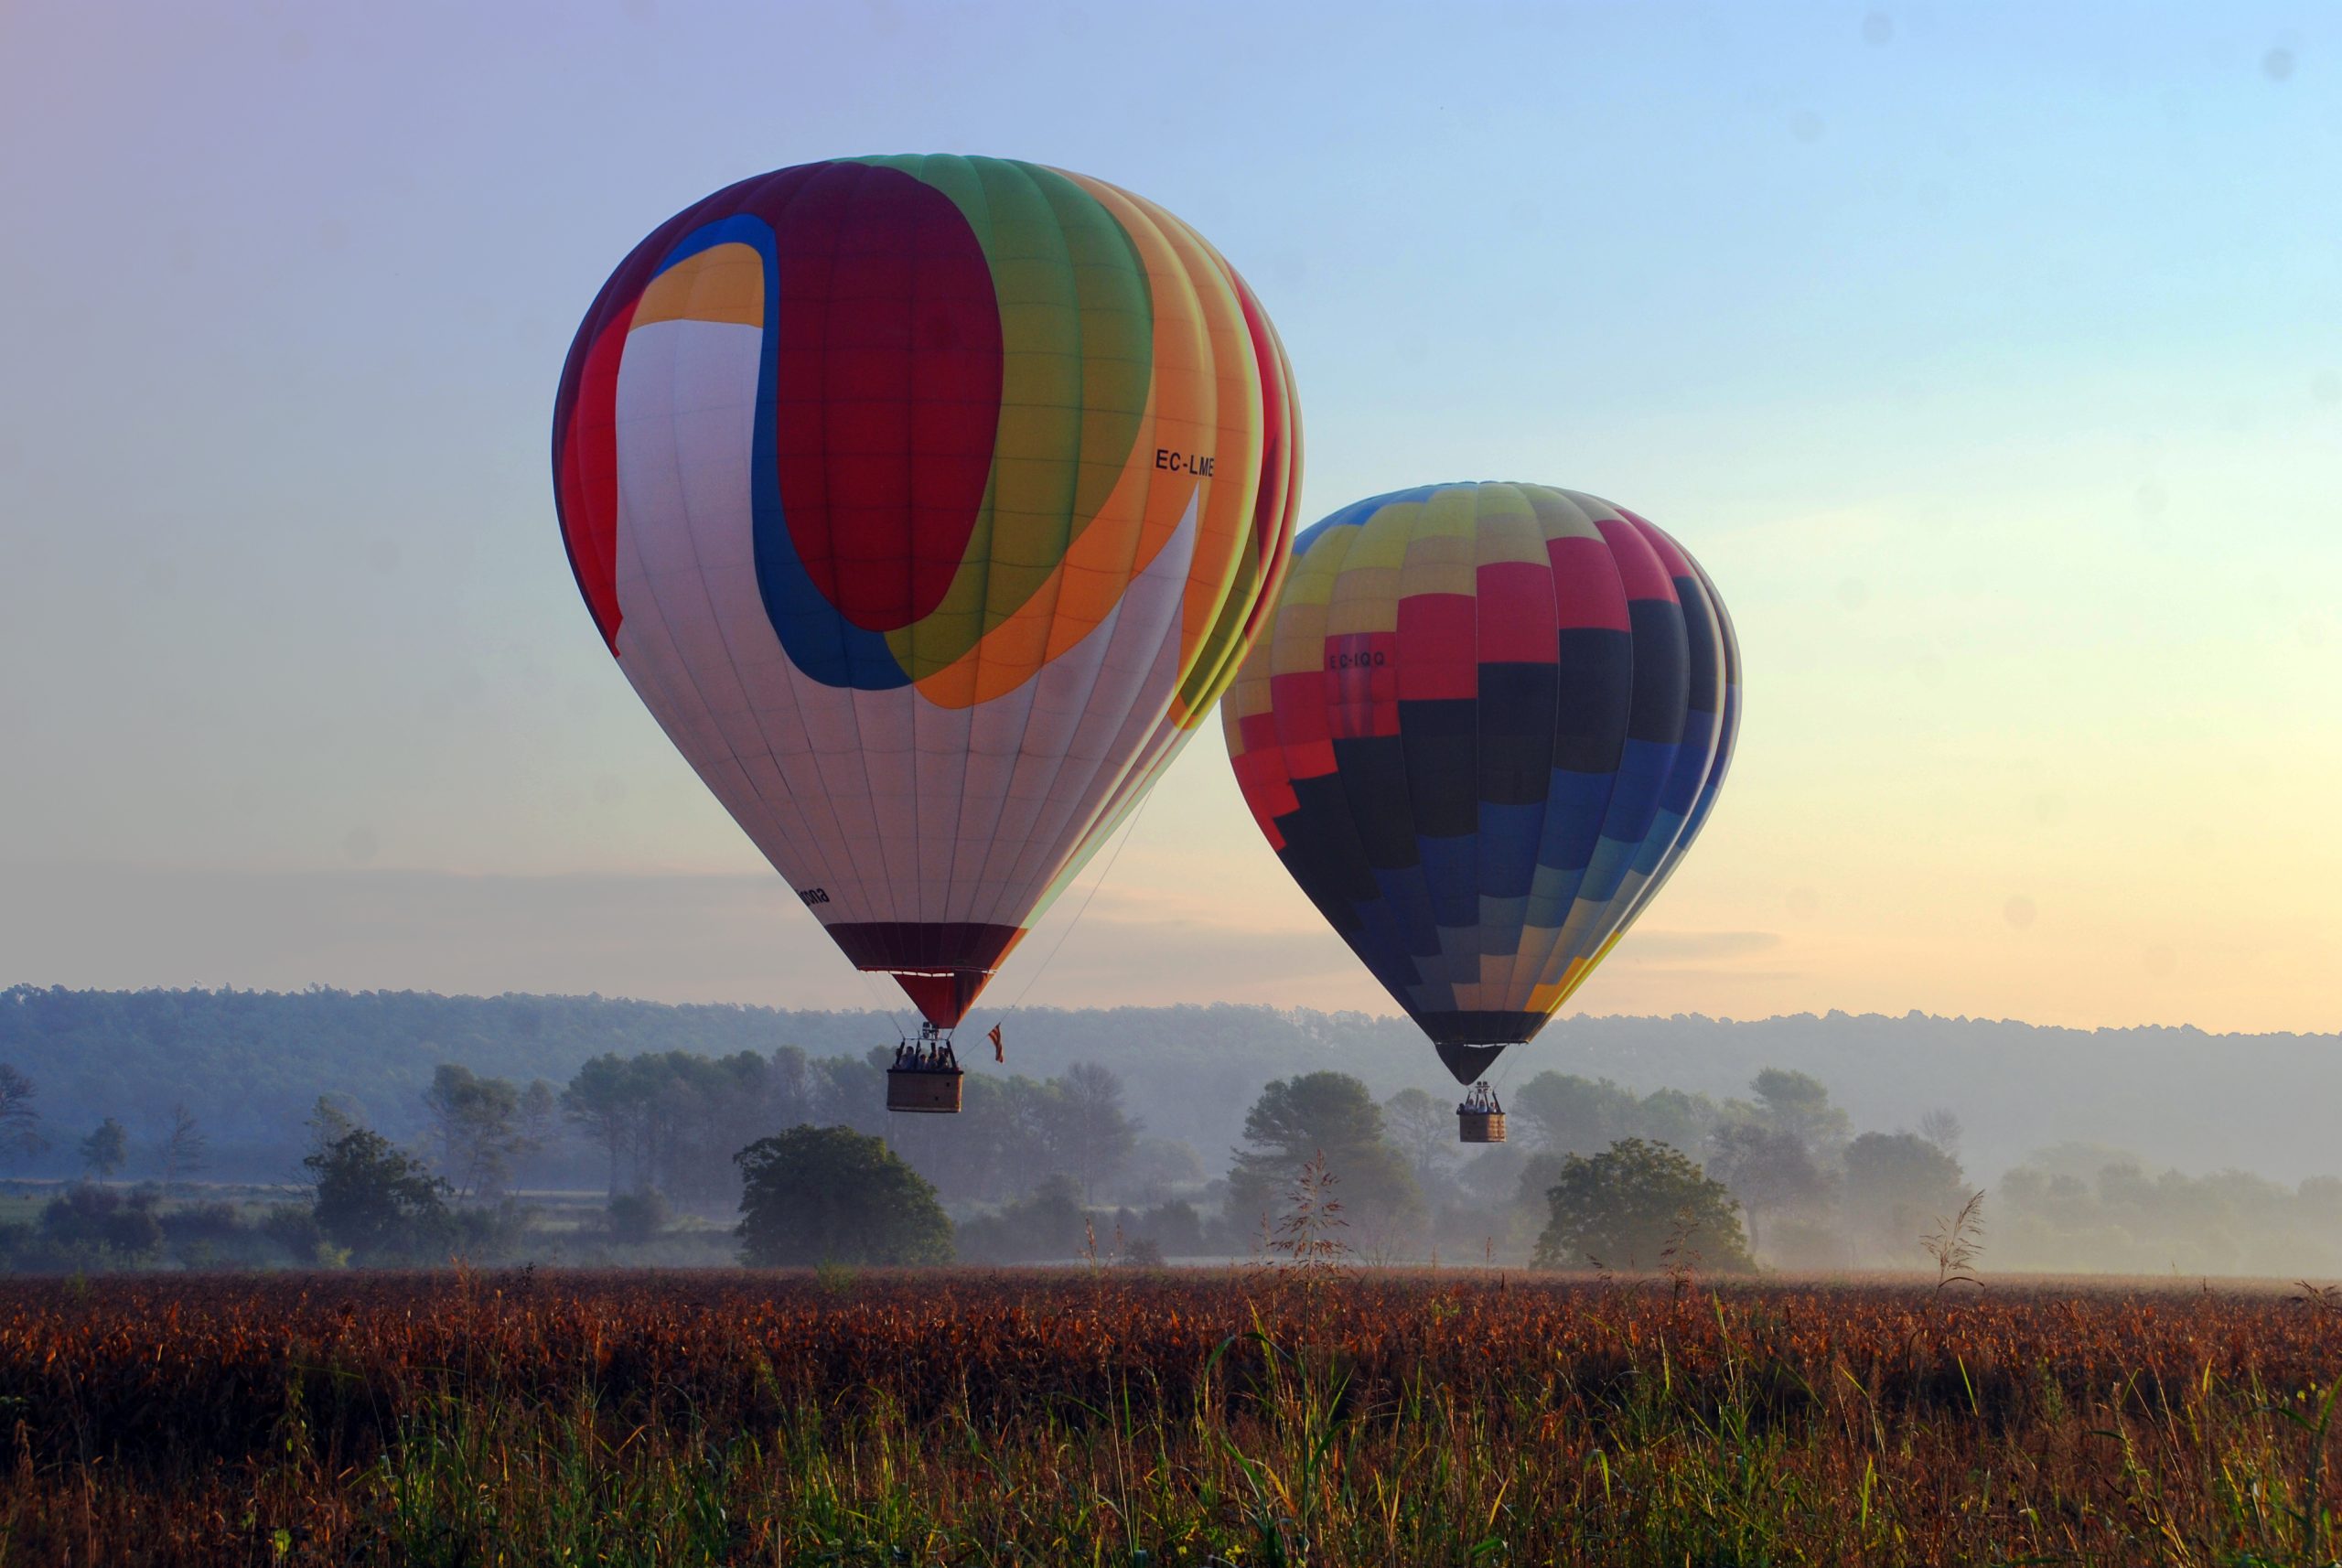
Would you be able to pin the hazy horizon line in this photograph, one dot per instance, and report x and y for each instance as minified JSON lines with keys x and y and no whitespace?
{"x":9,"y":987}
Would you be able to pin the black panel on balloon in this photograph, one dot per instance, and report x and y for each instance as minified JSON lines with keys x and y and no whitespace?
{"x":1707,"y":653}
{"x":1594,"y":691}
{"x":1443,"y":775}
{"x":1662,"y":671}
{"x":1324,"y":841}
{"x":1517,"y":733}
{"x":1470,"y":1064}
{"x":1373,"y":770}
{"x":1340,"y":913}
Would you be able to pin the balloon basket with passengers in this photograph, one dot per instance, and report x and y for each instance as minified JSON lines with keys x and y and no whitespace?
{"x":926,"y":1075}
{"x":1479,"y":1118}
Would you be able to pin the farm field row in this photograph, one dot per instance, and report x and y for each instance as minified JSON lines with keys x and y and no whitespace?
{"x":1230,"y":1415}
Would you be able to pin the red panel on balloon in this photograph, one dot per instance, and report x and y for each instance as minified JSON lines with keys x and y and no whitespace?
{"x":944,"y":999}
{"x":589,"y":476}
{"x":1516,"y":613}
{"x":1298,"y":699}
{"x":1671,"y":554}
{"x":1274,"y":512}
{"x":1438,"y":647}
{"x":888,"y":381}
{"x":1638,"y":565}
{"x":1587,"y":590}
{"x":1362,"y":684}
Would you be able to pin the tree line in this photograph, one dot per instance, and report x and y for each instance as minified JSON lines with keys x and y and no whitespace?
{"x":248,"y":1066}
{"x":1051,"y":1169}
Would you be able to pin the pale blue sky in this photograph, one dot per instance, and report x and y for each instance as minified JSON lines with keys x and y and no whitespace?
{"x":1989,"y":356}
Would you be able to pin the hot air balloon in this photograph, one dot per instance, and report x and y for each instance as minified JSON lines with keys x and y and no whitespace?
{"x":927,"y":503}
{"x":1484,"y":724}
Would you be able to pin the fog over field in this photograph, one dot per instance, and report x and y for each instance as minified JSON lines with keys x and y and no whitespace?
{"x":2141,"y":1150}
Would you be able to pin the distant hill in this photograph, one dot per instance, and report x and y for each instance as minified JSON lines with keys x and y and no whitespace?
{"x":250,"y":1063}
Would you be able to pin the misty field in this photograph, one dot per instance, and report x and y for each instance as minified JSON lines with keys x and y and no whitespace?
{"x":1112,"y":1416}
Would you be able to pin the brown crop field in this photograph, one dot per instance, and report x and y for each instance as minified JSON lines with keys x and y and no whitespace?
{"x":1112,"y":1416}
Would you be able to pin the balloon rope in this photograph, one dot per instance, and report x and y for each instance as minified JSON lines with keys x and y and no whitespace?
{"x":1100,"y":881}
{"x":878,"y":1003}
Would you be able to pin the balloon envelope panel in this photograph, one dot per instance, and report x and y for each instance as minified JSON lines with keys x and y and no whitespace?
{"x":929,"y":503}
{"x":1483,"y":722}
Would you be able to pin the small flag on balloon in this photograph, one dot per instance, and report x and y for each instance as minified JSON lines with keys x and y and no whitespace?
{"x":999,"y":1053}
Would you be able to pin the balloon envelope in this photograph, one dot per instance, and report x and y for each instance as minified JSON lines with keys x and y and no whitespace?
{"x":927,"y":503}
{"x":1485,"y":722}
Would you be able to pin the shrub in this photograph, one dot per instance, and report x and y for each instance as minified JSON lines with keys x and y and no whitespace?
{"x":1044,"y":1225}
{"x":215,"y":1236}
{"x":829,"y":1194}
{"x":378,"y":1201}
{"x":635,"y":1218}
{"x":106,"y":1220}
{"x":294,"y":1232}
{"x":1640,"y":1205}
{"x":1176,"y":1228}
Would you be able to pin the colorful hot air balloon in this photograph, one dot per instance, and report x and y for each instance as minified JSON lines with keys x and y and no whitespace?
{"x":1484,"y":724}
{"x":929,"y":503}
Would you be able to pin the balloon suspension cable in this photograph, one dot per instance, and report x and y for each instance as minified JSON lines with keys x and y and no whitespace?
{"x":878,"y":1003}
{"x":1503,"y":1074}
{"x":1122,"y":843}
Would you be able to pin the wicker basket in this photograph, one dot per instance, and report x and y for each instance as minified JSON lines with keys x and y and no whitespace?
{"x":1479,"y":1126}
{"x":923,"y":1089}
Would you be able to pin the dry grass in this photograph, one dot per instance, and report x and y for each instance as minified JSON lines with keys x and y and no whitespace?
{"x":1190,"y":1417}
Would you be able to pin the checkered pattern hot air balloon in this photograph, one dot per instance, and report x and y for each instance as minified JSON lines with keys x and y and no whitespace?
{"x":1485,"y":722}
{"x":929,"y":503}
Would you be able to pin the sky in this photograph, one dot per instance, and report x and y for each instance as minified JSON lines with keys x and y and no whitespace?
{"x":1989,"y":356}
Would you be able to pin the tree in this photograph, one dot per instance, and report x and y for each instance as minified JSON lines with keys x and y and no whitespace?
{"x":1161,"y":1166}
{"x":1570,"y":1114}
{"x":600,"y":1102}
{"x":378,"y":1200}
{"x":1046,"y":1223}
{"x":1672,"y":1116}
{"x":1491,"y":1178}
{"x":1897,"y":1184}
{"x":19,"y":1122}
{"x":1032,"y":1133}
{"x":1296,"y":1119}
{"x":789,"y":1088}
{"x":1797,"y":1105}
{"x":671,"y":1120}
{"x":105,"y":1149}
{"x":817,"y":1195}
{"x":1424,"y":1131}
{"x":474,"y":1119}
{"x":1766,"y":1168}
{"x":1098,"y":1134}
{"x":330,"y":1120}
{"x":184,"y":1147}
{"x":540,"y":1118}
{"x":1942,"y":1128}
{"x":1293,"y":1117}
{"x":702,"y":1111}
{"x":1637,"y":1205}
